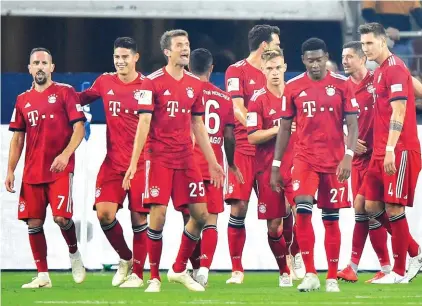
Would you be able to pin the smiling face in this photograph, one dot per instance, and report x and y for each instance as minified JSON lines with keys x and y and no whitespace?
{"x":179,"y":51}
{"x":41,"y":67}
{"x":315,"y":62}
{"x":125,"y":60}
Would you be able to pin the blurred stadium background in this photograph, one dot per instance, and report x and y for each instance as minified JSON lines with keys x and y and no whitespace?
{"x":80,"y":35}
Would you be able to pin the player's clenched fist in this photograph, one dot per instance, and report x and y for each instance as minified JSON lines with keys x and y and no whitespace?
{"x":276,"y":180}
{"x":130,"y":173}
{"x":10,"y":182}
{"x":216,"y":174}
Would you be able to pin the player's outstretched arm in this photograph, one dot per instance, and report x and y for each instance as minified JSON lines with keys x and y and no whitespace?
{"x":345,"y":167}
{"x":61,"y":161}
{"x":396,"y":126}
{"x":262,"y":136}
{"x":281,"y":143}
{"x":229,"y":148}
{"x":240,"y":111}
{"x":142,"y":131}
{"x":201,"y":137}
{"x":15,"y":152}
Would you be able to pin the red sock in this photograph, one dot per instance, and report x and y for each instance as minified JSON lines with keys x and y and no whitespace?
{"x":237,"y":236}
{"x":139,"y":249}
{"x":399,"y":242}
{"x":187,"y":246}
{"x":413,"y":249}
{"x":306,"y":235}
{"x":114,"y":234}
{"x":209,"y":244}
{"x":196,"y":256}
{"x":332,"y":243}
{"x":69,"y":234}
{"x":378,"y":237}
{"x":154,"y":249}
{"x":38,"y":247}
{"x":279,"y":249}
{"x":360,"y":233}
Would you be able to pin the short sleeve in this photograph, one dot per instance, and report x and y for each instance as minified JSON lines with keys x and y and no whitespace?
{"x":17,"y":122}
{"x":254,"y":116}
{"x":146,"y":97}
{"x":91,"y":94}
{"x":198,"y":107}
{"x":350,"y":105}
{"x":396,"y":81}
{"x":234,"y":85}
{"x":288,"y":109}
{"x":73,"y":107}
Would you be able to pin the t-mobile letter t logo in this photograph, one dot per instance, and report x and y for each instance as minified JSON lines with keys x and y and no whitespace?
{"x":114,"y":107}
{"x":33,"y":117}
{"x":309,"y":108}
{"x":172,"y":107}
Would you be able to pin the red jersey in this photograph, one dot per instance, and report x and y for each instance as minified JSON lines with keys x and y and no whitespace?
{"x":218,"y":115}
{"x":47,"y":118}
{"x":172,"y":103}
{"x":242,"y":81}
{"x":393,"y":82}
{"x":320,"y":108}
{"x":264,"y":112}
{"x":120,"y":102}
{"x":364,"y":95}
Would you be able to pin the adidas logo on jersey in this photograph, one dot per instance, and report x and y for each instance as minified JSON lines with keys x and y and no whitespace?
{"x":303,"y":94}
{"x":111,"y":92}
{"x":167,"y":93}
{"x":27,"y":105}
{"x":251,"y":82}
{"x":272,"y":112}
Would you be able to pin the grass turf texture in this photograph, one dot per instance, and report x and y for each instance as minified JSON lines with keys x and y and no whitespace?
{"x":258,"y":289}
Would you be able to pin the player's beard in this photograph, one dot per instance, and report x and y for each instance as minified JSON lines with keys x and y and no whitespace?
{"x":40,"y":78}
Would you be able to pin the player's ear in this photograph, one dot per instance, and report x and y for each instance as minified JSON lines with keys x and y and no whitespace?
{"x":211,"y":69}
{"x":29,"y":68}
{"x":137,"y":56}
{"x":167,"y":52}
{"x":284,"y":67}
{"x":52,"y":67}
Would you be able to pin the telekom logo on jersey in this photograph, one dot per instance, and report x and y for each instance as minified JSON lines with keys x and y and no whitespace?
{"x":114,"y":107}
{"x":33,"y":117}
{"x":309,"y":108}
{"x":172,"y":107}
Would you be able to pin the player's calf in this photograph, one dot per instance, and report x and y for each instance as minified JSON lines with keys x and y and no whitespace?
{"x":236,"y":233}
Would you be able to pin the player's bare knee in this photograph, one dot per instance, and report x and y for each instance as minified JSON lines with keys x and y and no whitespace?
{"x":60,"y":221}
{"x":212,"y":219}
{"x":274,"y":227}
{"x":393,"y":210}
{"x":106,"y":217}
{"x":373,"y":207}
{"x":34,"y":223}
{"x":239,"y":208}
{"x":359,"y":205}
{"x":138,"y":218}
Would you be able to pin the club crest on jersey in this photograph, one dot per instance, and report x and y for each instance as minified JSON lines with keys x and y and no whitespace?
{"x":330,"y":90}
{"x":52,"y":99}
{"x":154,"y":191}
{"x":190,"y":92}
{"x":21,"y":206}
{"x":137,"y":94}
{"x":262,"y":208}
{"x":231,"y":188}
{"x":370,"y":88}
{"x":97,"y":192}
{"x":296,"y":185}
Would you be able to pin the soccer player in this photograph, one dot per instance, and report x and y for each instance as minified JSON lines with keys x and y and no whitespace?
{"x":390,"y":181}
{"x":51,"y":117}
{"x":120,"y":92}
{"x":320,"y":99}
{"x":170,"y":105}
{"x":219,"y":122}
{"x":361,"y":82}
{"x":242,"y":80}
{"x":265,"y":113}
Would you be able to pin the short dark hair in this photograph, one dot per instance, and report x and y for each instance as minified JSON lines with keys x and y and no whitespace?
{"x":127,"y":43}
{"x":200,"y":61}
{"x":313,"y":44}
{"x":261,"y":33}
{"x":268,"y":55}
{"x":356,"y":46}
{"x":165,"y":41}
{"x":373,"y":27}
{"x":40,"y":49}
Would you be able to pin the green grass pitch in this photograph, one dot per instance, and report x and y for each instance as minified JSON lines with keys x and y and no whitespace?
{"x":258,"y":289}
